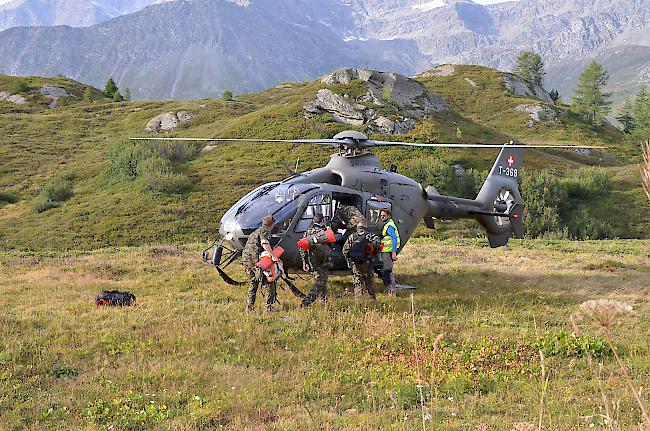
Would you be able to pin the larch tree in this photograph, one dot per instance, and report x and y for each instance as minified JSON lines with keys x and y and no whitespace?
{"x":530,"y":67}
{"x":589,"y":100}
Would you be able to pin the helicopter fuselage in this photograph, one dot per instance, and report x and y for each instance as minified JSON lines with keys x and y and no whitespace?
{"x":350,"y":179}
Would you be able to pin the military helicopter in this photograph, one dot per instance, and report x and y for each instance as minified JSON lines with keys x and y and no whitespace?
{"x":354,"y":176}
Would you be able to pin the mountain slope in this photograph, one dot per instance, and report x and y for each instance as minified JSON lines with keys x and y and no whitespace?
{"x":74,"y":13}
{"x":74,"y":141}
{"x":197,"y":49}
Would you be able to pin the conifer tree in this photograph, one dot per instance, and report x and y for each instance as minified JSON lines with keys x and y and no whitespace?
{"x":625,"y":117}
{"x":110,"y":88}
{"x":127,"y":94}
{"x":117,"y":97}
{"x":530,"y":68}
{"x":641,"y":109}
{"x":588,"y":98}
{"x":88,"y":95}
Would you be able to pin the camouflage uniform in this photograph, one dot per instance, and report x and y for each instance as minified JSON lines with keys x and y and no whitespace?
{"x":348,"y":215}
{"x":250,"y":256}
{"x":317,"y":259}
{"x":362,"y":273}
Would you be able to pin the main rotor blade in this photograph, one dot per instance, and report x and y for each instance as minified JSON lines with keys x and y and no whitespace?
{"x":332,"y":142}
{"x":372,"y":143}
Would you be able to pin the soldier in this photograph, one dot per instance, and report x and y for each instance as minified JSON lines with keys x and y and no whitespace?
{"x":315,"y":260}
{"x":347,"y":216}
{"x":359,"y":249}
{"x":259,"y":242}
{"x":391,"y":243}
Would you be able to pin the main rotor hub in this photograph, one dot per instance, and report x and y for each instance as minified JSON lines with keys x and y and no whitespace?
{"x":351,"y":140}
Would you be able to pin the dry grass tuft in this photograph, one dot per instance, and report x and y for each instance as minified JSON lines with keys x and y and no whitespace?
{"x":524,"y":426}
{"x":604,"y":312}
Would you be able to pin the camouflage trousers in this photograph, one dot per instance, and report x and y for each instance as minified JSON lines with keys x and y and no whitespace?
{"x":255,"y":278}
{"x":319,"y":289}
{"x":363,"y":279}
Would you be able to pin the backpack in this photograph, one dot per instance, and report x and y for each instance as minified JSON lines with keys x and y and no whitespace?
{"x":360,"y":249}
{"x":114,"y":297}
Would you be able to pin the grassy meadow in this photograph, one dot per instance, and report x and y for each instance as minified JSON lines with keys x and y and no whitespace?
{"x":187,"y":357}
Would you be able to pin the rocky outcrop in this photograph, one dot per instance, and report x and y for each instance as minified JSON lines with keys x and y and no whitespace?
{"x":518,"y":87}
{"x":167,"y":121}
{"x":54,"y":93}
{"x":538,"y":114}
{"x":398,"y":127}
{"x":405,"y":94}
{"x":13,"y":98}
{"x":330,"y":102}
{"x":408,"y":98}
{"x":442,"y":70}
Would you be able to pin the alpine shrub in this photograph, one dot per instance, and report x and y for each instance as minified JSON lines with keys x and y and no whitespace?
{"x":8,"y":197}
{"x":53,"y":193}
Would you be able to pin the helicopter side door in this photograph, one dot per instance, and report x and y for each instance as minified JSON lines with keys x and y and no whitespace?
{"x":373,"y":208}
{"x":318,"y":203}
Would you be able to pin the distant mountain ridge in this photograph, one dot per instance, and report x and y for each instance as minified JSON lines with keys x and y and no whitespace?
{"x":74,"y":13}
{"x":197,"y":48}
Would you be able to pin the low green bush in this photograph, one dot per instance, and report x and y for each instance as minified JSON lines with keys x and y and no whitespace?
{"x":58,"y":190}
{"x":588,"y":183}
{"x":151,"y":165}
{"x":156,"y":174}
{"x":570,"y":345}
{"x":53,"y":193}
{"x":175,"y":151}
{"x":8,"y":197}
{"x":440,"y":174}
{"x":562,"y":208}
{"x":43,"y":205}
{"x":125,"y":158}
{"x":19,"y":86}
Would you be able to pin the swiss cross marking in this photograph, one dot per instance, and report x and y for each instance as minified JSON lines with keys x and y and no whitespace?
{"x":511,"y":161}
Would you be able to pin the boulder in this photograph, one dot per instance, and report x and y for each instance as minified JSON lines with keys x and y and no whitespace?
{"x":183,"y":116}
{"x":207,"y":149}
{"x":162,"y":122}
{"x":538,"y":113}
{"x":330,"y":102}
{"x":13,"y":98}
{"x":166,"y":122}
{"x":519,"y":87}
{"x":385,"y":125}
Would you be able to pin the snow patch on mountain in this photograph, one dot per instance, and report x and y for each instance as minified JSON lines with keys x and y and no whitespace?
{"x":426,"y":7}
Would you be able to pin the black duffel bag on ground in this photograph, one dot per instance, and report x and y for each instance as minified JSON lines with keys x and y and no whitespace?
{"x":114,"y":297}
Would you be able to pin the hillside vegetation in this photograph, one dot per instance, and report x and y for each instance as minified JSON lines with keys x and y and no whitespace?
{"x":188,"y":357}
{"x":68,"y":149}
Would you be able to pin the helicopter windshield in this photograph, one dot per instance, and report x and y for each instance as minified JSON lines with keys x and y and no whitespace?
{"x":277,"y":199}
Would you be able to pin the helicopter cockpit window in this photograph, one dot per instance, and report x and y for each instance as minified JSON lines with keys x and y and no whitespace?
{"x":318,"y":204}
{"x":374,"y":208}
{"x":280,"y":200}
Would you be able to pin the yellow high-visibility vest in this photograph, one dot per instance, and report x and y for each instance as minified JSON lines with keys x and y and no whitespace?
{"x":387,"y":241}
